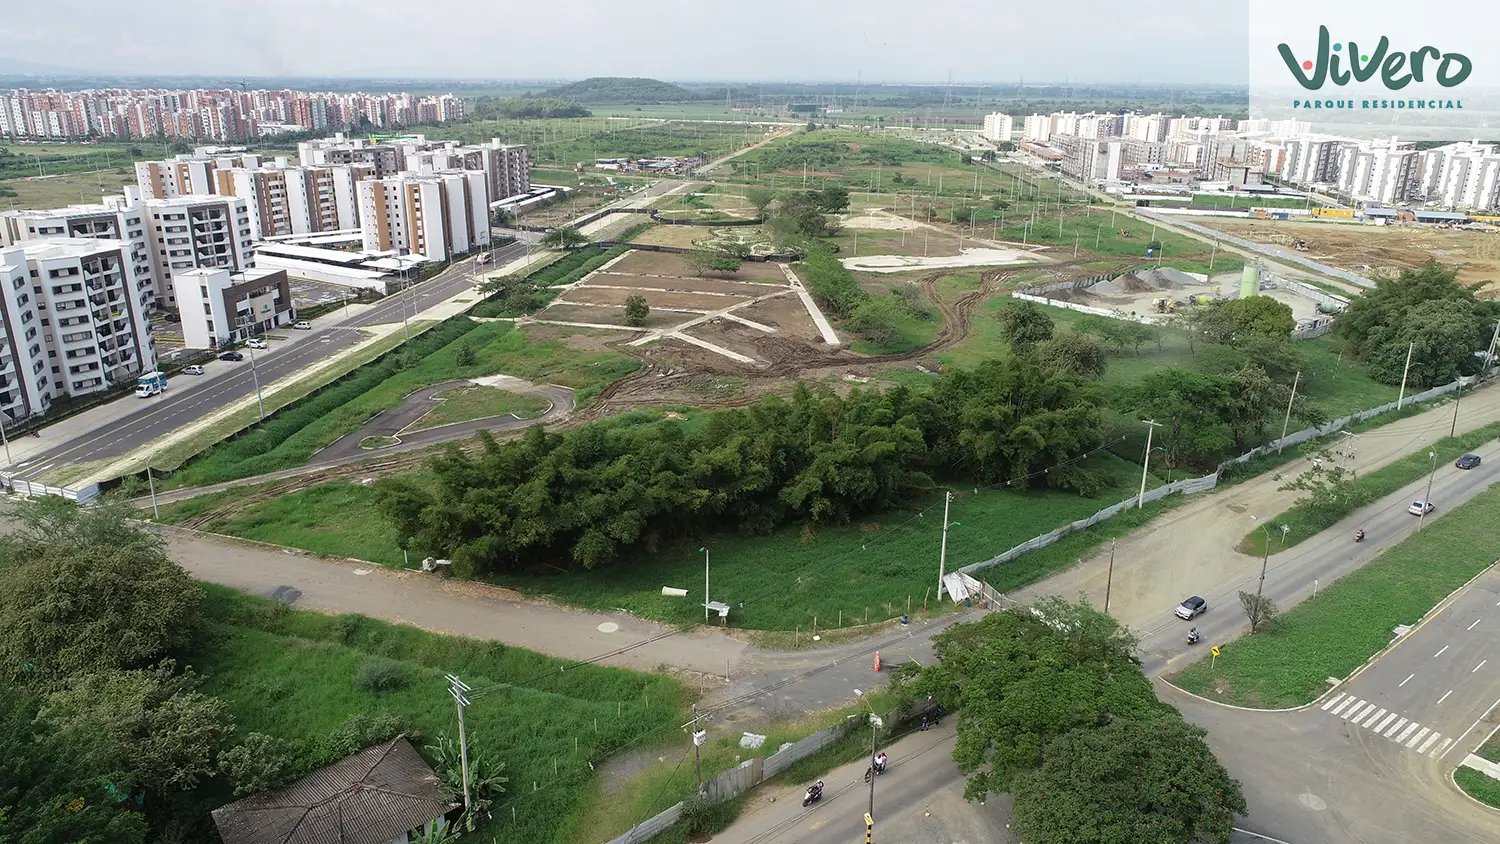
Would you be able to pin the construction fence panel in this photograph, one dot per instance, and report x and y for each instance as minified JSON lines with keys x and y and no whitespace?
{"x":736,"y":781}
{"x":647,"y":829}
{"x":1072,"y":306}
{"x":781,"y":759}
{"x":1192,"y":486}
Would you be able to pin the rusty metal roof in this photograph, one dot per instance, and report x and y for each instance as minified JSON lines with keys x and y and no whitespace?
{"x":369,"y":798}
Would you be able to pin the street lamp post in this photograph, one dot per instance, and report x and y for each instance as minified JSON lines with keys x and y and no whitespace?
{"x":1288,"y":419}
{"x":255,"y":374}
{"x":151,"y":482}
{"x":1265,"y":560}
{"x":704,"y":549}
{"x":1427,"y":496}
{"x":874,"y":725}
{"x":1152,"y":425}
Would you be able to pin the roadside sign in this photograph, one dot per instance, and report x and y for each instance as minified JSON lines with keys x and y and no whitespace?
{"x":869,"y":821}
{"x":1216,"y":650}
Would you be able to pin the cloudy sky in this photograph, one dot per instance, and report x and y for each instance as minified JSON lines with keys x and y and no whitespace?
{"x":770,"y":40}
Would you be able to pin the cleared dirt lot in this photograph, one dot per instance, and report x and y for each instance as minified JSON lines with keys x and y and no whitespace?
{"x":672,"y":282}
{"x":608,"y":316}
{"x":664,"y":263}
{"x":1365,"y":249}
{"x":654,"y":298}
{"x":785,"y":314}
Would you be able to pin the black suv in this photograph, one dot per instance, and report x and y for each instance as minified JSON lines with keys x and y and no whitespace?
{"x":231,"y":356}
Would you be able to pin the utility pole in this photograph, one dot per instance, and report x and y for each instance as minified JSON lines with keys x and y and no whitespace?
{"x":255,"y":374}
{"x":1457,"y":397}
{"x":459,"y":689}
{"x":152,"y":484}
{"x":1427,"y":496}
{"x":704,"y":549}
{"x":1494,"y":341}
{"x":698,"y":738}
{"x":1288,"y":420}
{"x":1146,"y":464}
{"x":1402,"y":395}
{"x":1109,"y":578}
{"x":6,"y":440}
{"x":943,"y":550}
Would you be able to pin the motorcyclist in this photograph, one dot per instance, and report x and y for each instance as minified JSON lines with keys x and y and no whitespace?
{"x":880,"y":761}
{"x":1193,"y":635}
{"x":1359,"y":534}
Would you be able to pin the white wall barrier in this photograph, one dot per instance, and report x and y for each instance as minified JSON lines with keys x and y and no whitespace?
{"x":82,"y":495}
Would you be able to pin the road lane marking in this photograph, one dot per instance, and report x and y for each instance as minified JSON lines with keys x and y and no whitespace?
{"x":1372,"y":719}
{"x":1475,"y":624}
{"x":1406,"y":732}
{"x":1388,"y":719}
{"x":1341,"y":706}
{"x":1418,"y":737}
{"x":1332,"y":701}
{"x":1436,"y":751}
{"x":1480,"y":665}
{"x":1392,"y":730}
{"x":1432,"y":739}
{"x":1359,"y":706}
{"x":1445,"y":696}
{"x":1408,"y":678}
{"x":1440,"y":653}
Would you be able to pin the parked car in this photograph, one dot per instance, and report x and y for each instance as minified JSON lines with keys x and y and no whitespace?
{"x":231,"y":356}
{"x":194,"y":369}
{"x":256,"y":343}
{"x":1420,"y":507}
{"x":1192,"y":608}
{"x":302,"y":325}
{"x":1468,"y":461}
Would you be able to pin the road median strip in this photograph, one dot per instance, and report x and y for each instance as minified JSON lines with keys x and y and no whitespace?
{"x":1306,"y":520}
{"x":1331,"y":635}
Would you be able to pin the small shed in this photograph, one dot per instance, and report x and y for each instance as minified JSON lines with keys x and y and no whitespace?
{"x":375,"y":796}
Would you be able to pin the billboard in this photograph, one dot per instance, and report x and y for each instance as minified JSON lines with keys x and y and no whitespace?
{"x":1376,"y":68}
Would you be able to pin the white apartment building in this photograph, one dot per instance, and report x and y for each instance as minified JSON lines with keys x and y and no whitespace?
{"x":1462,"y":175}
{"x":1311,"y":160}
{"x":77,"y":328}
{"x":1384,"y":172}
{"x":1037,"y":127}
{"x":1151,"y":128}
{"x":436,"y":215}
{"x":219,"y":306}
{"x":193,"y":232}
{"x":116,"y":219}
{"x":997,"y":126}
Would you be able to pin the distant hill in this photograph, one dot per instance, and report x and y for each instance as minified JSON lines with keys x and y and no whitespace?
{"x":621,"y":89}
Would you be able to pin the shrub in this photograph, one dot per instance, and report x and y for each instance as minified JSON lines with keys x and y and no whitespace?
{"x":382,"y":675}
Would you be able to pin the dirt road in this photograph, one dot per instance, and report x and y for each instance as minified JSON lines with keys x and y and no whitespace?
{"x":1191,"y":550}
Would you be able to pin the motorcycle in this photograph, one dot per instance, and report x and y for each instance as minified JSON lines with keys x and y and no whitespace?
{"x":1359,"y":536}
{"x":1193,"y":640}
{"x":872,"y":771}
{"x":813,"y":795}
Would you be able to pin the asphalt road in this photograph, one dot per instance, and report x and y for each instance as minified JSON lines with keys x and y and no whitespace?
{"x":1292,"y":575}
{"x":191,"y":398}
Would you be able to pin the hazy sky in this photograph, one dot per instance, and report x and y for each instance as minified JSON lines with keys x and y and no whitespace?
{"x":771,"y":40}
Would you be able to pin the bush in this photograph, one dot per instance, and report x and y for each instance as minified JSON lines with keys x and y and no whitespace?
{"x":382,"y":675}
{"x":464,"y":356}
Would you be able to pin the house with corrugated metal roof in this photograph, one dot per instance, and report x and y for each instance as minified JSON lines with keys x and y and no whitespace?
{"x":376,"y":796}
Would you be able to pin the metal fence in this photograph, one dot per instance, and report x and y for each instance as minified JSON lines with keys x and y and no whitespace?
{"x":1191,"y":486}
{"x":742,"y":778}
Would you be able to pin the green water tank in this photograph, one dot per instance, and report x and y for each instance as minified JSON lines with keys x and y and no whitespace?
{"x":1250,"y":281}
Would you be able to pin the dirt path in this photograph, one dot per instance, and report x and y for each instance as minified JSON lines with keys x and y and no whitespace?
{"x":1191,"y":550}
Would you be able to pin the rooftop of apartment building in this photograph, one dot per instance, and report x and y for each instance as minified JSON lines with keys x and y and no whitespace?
{"x":62,"y":248}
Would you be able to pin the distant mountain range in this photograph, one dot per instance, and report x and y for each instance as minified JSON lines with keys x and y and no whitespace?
{"x":19,"y":67}
{"x":622,"y":89}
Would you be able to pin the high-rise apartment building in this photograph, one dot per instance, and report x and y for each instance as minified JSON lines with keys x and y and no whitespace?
{"x":997,"y":126}
{"x":218,"y":306}
{"x":1037,"y":127}
{"x":196,"y":232}
{"x":437,"y":215}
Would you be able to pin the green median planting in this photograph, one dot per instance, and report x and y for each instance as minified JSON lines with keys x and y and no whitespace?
{"x":1288,"y":663}
{"x":1319,"y":512}
{"x":1478,"y":785}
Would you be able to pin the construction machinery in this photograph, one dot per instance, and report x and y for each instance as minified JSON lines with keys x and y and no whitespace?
{"x":1163,"y":305}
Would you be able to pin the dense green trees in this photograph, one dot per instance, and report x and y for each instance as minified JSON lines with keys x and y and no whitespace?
{"x":1426,"y":307}
{"x":525,"y":108}
{"x":1052,"y":706}
{"x":597,"y":491}
{"x":1024,"y":324}
{"x":563,"y":237}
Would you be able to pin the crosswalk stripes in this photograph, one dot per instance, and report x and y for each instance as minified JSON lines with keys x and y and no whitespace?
{"x":1391,"y":725}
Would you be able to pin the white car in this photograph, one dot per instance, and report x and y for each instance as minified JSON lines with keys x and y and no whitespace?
{"x":302,"y":325}
{"x":256,"y":343}
{"x":1420,"y":507}
{"x":193,"y":369}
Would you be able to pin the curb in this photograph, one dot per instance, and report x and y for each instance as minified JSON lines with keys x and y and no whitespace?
{"x":1466,"y":795}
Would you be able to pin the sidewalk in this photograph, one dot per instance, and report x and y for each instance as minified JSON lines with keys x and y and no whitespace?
{"x":104,"y":415}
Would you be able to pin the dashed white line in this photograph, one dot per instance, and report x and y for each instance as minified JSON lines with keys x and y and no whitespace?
{"x":1392,"y":730}
{"x":1475,"y":624}
{"x":1418,"y":737}
{"x":1408,"y":678}
{"x":1440,"y":653}
{"x":1480,"y":665}
{"x":1445,"y":696}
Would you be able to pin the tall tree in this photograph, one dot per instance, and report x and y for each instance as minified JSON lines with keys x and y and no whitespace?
{"x":760,"y":199}
{"x":1073,"y":352}
{"x":1426,"y":306}
{"x":1195,"y":409}
{"x":88,"y":589}
{"x":1132,"y":780}
{"x":1258,"y":316}
{"x":1024,"y":324}
{"x":833,"y":199}
{"x":563,"y":237}
{"x":637,"y":309}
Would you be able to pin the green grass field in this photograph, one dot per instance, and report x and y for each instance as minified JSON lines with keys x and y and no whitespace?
{"x":63,"y":190}
{"x":498,"y":349}
{"x":290,"y":674}
{"x":1478,"y":785}
{"x":1288,"y":663}
{"x":462,"y":404}
{"x":1305,"y":522}
{"x":835,"y":574}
